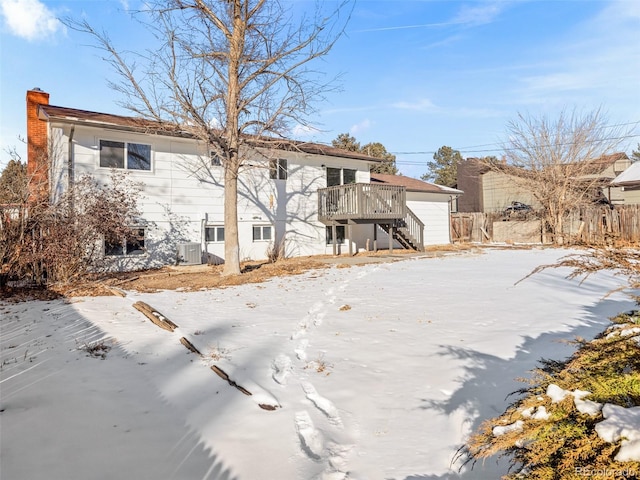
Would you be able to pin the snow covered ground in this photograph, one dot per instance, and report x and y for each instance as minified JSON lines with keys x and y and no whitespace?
{"x":378,"y":372}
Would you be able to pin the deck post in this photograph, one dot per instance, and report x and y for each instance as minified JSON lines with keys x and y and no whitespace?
{"x":390,"y":238}
{"x":350,"y":244}
{"x":375,"y":237}
{"x":334,"y":235}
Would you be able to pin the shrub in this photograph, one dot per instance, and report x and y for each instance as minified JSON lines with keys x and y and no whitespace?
{"x":45,"y":243}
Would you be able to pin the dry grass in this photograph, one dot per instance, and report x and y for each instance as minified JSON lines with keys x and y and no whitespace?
{"x":201,"y":277}
{"x":196,"y":277}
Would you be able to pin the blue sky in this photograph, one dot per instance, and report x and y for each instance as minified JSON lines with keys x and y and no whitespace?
{"x":416,"y":75}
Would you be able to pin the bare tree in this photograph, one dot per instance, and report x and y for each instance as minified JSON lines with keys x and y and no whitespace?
{"x":558,"y":161}
{"x":228,"y":73}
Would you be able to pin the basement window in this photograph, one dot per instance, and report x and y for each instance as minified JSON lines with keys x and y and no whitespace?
{"x":339,"y":234}
{"x":261,"y":233}
{"x":214,"y":234}
{"x":129,"y":156}
{"x":132,"y":244}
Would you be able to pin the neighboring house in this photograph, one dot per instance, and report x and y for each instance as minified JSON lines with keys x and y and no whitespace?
{"x":306,"y":198}
{"x":491,"y":190}
{"x":628,"y":183}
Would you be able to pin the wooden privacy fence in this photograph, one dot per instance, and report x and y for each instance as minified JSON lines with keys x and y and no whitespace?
{"x":472,"y":227}
{"x":604,"y":226}
{"x":588,"y":225}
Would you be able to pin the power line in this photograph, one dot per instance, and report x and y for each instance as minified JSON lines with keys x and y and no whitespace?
{"x":467,"y":149}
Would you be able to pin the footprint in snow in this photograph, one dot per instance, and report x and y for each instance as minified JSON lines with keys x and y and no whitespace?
{"x":338,"y":456}
{"x":301,"y":349}
{"x":281,"y":368}
{"x":322,"y":404}
{"x":310,"y":438}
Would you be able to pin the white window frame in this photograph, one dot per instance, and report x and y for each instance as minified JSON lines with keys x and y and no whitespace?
{"x":329,"y":234}
{"x":125,"y":151}
{"x":342,"y":179}
{"x":278,"y":169}
{"x":216,"y":228}
{"x":262,"y":229}
{"x":124,"y":244}
{"x":216,"y":160}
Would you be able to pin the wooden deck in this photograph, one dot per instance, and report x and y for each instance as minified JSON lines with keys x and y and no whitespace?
{"x":385,"y":205}
{"x":361,"y":203}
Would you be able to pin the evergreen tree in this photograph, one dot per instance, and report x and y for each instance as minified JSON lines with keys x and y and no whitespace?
{"x":346,"y":142}
{"x":376,"y":149}
{"x":444,"y":169}
{"x":373,"y":149}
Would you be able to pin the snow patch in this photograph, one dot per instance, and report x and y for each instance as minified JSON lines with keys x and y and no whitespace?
{"x":587,"y":407}
{"x":621,"y":424}
{"x":502,"y":430}
{"x":536,"y":413}
{"x":557,"y":394}
{"x":625,"y":330}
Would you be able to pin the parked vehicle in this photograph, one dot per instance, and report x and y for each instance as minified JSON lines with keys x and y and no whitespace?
{"x":517,"y":207}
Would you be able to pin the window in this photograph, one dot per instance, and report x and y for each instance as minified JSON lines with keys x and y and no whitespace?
{"x":214,"y":234}
{"x":130,"y":156}
{"x":333,"y":177}
{"x":340,"y":176}
{"x":278,"y":169}
{"x":339,"y":234}
{"x":132,"y":244}
{"x":216,"y":160}
{"x":261,"y":233}
{"x":348,"y":176}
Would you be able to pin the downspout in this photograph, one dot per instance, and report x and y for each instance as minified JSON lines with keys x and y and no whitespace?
{"x":70,"y":159}
{"x":452,"y":198}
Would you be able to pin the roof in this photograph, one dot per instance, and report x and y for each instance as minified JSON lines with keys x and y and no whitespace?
{"x":631,"y":176}
{"x":413,"y":184}
{"x":142,"y":125}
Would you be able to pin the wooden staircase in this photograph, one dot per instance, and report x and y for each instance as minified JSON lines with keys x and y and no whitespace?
{"x":408,"y":231}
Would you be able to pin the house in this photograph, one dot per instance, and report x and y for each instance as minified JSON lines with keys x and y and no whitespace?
{"x":628,"y":183}
{"x":493,"y":189}
{"x":305,"y":198}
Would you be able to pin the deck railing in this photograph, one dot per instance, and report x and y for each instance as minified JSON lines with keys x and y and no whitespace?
{"x":415,"y":229}
{"x":361,"y":201}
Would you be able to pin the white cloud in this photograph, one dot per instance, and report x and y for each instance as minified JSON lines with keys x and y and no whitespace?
{"x":360,"y":127}
{"x":303,"y":131}
{"x":479,"y":14}
{"x":30,"y":19}
{"x":422,"y":105}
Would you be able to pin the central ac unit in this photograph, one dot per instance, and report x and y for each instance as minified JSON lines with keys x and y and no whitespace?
{"x":189,"y":253}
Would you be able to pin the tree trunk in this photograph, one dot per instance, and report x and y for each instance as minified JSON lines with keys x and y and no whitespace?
{"x":231,"y":238}
{"x":232,"y":133}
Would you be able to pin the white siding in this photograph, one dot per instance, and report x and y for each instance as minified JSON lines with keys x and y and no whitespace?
{"x":433,"y":210}
{"x":182,"y":193}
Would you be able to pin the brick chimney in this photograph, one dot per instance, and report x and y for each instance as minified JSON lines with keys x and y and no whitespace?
{"x":37,"y":146}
